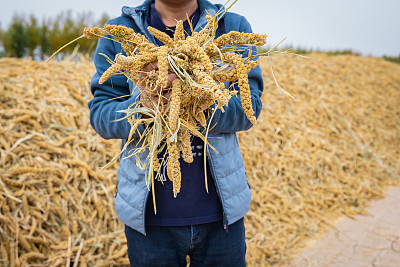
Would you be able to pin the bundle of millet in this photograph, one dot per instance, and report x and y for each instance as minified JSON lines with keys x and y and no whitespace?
{"x":201,"y":63}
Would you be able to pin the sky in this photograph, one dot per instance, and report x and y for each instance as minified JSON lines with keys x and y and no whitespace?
{"x":370,"y":27}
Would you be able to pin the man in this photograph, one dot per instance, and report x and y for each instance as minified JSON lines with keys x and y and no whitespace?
{"x":207,"y":226}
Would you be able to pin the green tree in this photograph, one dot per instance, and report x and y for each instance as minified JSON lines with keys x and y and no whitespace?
{"x":44,"y":40}
{"x":15,"y":41}
{"x":55,"y":37}
{"x":33,"y":37}
{"x":86,"y":46}
{"x":29,"y":37}
{"x":69,"y":32}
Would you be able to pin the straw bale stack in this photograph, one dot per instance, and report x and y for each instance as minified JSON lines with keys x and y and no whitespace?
{"x":308,"y":160}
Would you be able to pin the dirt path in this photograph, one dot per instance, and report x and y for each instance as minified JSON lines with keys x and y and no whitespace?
{"x":372,"y":240}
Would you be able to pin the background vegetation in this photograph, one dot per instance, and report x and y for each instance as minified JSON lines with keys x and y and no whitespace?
{"x":27,"y":36}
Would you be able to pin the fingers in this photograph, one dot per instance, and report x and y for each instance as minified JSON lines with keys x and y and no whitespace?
{"x":171,"y":78}
{"x":158,"y":103}
{"x":167,"y":96}
{"x":151,"y":66}
{"x":148,"y":68}
{"x":155,"y":95}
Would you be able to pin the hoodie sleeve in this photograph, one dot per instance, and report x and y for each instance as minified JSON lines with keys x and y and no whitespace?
{"x":110,"y":97}
{"x":234,"y":119}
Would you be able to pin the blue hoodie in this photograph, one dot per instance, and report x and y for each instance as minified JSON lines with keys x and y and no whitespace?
{"x":226,"y":163}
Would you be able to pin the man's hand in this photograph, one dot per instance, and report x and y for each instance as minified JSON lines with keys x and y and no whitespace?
{"x":154,"y":97}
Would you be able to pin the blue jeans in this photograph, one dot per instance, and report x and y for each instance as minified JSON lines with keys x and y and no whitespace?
{"x":206,"y":244}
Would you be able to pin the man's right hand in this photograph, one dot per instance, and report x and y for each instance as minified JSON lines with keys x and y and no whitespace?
{"x":154,"y":97}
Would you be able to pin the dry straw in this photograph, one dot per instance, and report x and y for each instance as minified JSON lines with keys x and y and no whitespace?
{"x":55,"y":205}
{"x":308,"y":161}
{"x":321,"y":155}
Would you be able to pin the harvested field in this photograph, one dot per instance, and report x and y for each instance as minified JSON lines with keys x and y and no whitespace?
{"x":309,"y":160}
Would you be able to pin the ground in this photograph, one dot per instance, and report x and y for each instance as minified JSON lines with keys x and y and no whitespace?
{"x":371,"y":240}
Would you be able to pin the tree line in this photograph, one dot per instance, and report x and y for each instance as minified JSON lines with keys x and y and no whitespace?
{"x":27,"y":36}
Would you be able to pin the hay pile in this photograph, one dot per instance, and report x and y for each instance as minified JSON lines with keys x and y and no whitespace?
{"x":308,"y":160}
{"x":321,"y":155}
{"x":55,"y":204}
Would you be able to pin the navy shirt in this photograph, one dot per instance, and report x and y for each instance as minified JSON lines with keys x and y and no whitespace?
{"x":193,"y":205}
